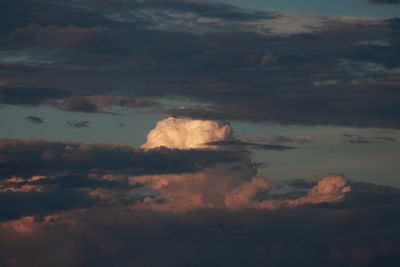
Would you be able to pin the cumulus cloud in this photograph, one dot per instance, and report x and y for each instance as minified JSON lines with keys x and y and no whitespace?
{"x":222,"y":187}
{"x":329,"y":188}
{"x":184,"y":133}
{"x":199,"y":190}
{"x":201,"y":174}
{"x":229,"y":185}
{"x":208,"y":206}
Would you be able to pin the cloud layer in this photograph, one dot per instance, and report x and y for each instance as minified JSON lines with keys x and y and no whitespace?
{"x":102,"y":205}
{"x":233,"y":63}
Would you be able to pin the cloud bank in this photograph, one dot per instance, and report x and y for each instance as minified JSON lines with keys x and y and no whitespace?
{"x":237,"y":64}
{"x":102,"y":205}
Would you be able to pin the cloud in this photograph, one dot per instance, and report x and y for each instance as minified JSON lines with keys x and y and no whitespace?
{"x":388,"y":2}
{"x":250,"y":145}
{"x":384,"y":138}
{"x":14,"y":205}
{"x":229,"y":185}
{"x":99,"y":204}
{"x":100,"y":103}
{"x":272,"y":67}
{"x":221,"y":187}
{"x":31,"y":96}
{"x":35,"y":119}
{"x":49,"y":36}
{"x":78,"y":124}
{"x":330,"y":188}
{"x":284,"y":139}
{"x":359,"y":234}
{"x":78,"y":103}
{"x":183,"y":133}
{"x":40,"y":157}
{"x":357,"y":139}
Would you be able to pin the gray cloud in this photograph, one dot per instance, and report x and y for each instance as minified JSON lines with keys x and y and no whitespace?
{"x":363,"y":231}
{"x":35,"y":119}
{"x":78,"y":124}
{"x":40,"y":157}
{"x":284,"y":139}
{"x":335,"y":72}
{"x":358,"y":139}
{"x":238,"y":143}
{"x":101,"y":103}
{"x":31,"y":96}
{"x":385,"y":2}
{"x":384,"y":138}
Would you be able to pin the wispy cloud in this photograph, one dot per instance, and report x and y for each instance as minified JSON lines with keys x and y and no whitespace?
{"x":35,"y":119}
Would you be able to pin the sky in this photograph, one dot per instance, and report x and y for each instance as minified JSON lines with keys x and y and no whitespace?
{"x":234,"y":132}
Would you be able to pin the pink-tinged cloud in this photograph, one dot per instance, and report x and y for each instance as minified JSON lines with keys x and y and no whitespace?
{"x":233,"y":186}
{"x":329,"y":188}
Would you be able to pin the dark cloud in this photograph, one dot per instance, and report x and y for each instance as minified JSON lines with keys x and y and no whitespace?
{"x":352,"y":232}
{"x":14,"y":205}
{"x":35,"y":119}
{"x":65,"y":100}
{"x":30,"y":95}
{"x":26,"y":13}
{"x":238,"y":64}
{"x":284,"y":139}
{"x":358,"y":139}
{"x":238,"y":143}
{"x":384,"y":138}
{"x":385,"y":1}
{"x":41,"y":157}
{"x":162,"y":9}
{"x":78,"y":103}
{"x":78,"y":124}
{"x":101,"y":103}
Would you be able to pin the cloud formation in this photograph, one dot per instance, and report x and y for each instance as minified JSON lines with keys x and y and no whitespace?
{"x":272,"y":67}
{"x":102,"y":205}
{"x":183,"y":133}
{"x":360,"y":234}
{"x":40,"y":157}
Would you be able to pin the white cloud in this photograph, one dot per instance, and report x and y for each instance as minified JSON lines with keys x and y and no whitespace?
{"x":183,"y":133}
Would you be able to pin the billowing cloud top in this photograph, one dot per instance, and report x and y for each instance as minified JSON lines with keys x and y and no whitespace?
{"x":184,"y":133}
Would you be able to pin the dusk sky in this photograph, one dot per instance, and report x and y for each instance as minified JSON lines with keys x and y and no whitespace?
{"x":199,"y":133}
